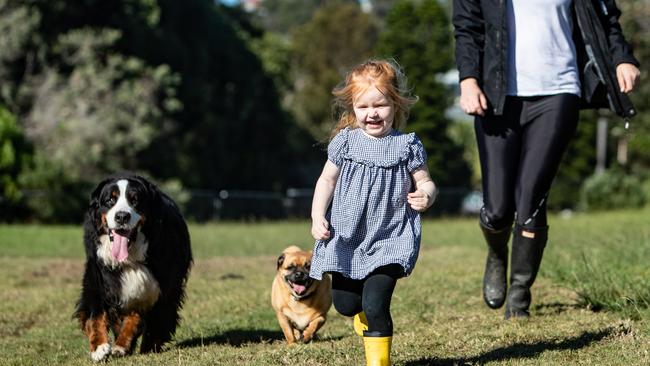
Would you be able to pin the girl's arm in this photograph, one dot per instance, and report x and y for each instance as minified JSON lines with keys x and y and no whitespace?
{"x":322,"y":198}
{"x":425,"y":193}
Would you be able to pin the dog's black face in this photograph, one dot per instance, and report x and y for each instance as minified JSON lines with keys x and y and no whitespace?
{"x":120,"y":207}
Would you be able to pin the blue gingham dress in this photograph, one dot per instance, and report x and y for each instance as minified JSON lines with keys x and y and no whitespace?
{"x":371,"y":223}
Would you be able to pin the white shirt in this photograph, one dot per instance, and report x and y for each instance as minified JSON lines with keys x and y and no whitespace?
{"x":541,"y":52}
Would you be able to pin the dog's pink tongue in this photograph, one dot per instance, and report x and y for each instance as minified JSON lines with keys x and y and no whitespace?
{"x":299,"y":289}
{"x":120,"y":249}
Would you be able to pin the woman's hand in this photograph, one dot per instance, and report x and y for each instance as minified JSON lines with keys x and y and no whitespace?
{"x":628,"y":76}
{"x":472,"y":99}
{"x":419,"y":200}
{"x":320,"y":228}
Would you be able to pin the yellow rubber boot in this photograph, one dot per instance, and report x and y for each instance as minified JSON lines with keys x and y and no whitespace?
{"x":377,"y":350}
{"x":360,"y":323}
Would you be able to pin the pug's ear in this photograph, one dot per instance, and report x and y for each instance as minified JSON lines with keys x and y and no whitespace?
{"x":280,"y":260}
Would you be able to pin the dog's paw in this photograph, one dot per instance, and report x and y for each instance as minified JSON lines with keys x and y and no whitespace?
{"x":101,"y":353}
{"x":307,"y":337}
{"x":118,"y":351}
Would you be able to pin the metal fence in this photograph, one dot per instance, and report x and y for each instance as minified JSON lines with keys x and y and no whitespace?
{"x":207,"y":205}
{"x":214,"y":205}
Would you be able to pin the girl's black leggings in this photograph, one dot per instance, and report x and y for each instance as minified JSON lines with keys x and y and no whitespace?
{"x":371,"y":294}
{"x":520,"y":152}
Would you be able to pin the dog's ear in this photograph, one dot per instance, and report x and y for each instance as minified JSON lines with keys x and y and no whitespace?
{"x":280,"y":260}
{"x":152,"y":190}
{"x":94,"y":204}
{"x":94,"y":196}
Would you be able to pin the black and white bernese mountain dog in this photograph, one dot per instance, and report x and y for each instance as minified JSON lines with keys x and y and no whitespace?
{"x":138,"y":258}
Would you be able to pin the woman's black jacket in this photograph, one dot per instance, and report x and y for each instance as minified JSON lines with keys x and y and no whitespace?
{"x":482,"y":53}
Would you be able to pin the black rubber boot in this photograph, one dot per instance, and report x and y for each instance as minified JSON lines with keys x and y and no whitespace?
{"x":527,"y":250}
{"x":496,"y":266}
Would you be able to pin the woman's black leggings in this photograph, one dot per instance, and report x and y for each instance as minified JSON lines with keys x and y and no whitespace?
{"x":520,"y":152}
{"x":372,"y":295}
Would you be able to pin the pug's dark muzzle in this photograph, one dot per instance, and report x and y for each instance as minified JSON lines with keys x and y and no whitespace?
{"x":299,"y":282}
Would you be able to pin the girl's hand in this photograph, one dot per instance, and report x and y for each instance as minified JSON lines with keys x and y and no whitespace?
{"x":419,"y":200}
{"x":320,"y":229}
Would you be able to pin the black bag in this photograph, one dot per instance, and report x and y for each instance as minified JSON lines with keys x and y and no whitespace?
{"x":600,"y":82}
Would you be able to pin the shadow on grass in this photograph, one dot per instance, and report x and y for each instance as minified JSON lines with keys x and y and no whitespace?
{"x":239,"y":337}
{"x":554,"y":308}
{"x":517,"y":351}
{"x":235,"y":337}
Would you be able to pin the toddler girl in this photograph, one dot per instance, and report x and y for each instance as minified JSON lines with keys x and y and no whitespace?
{"x":365,"y":211}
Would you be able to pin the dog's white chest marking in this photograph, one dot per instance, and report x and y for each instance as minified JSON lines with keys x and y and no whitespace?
{"x":140,"y":290}
{"x":294,"y":313}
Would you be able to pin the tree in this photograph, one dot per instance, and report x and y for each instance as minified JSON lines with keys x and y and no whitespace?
{"x":99,"y":116}
{"x":338,"y":37}
{"x":282,"y":16}
{"x":417,"y":35}
{"x":169,"y":89}
{"x":15,"y":154}
{"x":579,"y":162}
{"x":634,"y":19}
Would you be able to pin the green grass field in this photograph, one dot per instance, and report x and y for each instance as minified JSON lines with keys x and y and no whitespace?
{"x":590,"y":303}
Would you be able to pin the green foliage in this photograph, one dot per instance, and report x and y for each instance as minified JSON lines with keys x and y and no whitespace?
{"x":18,"y":33}
{"x":89,"y":121}
{"x":15,"y":155}
{"x":97,"y":118}
{"x":645,"y":187}
{"x":338,"y":37}
{"x":274,"y":52}
{"x":634,"y":19}
{"x":51,"y":195}
{"x":417,"y":35}
{"x":168,"y":89}
{"x":579,"y":163}
{"x":280,"y":16}
{"x":611,"y":190}
{"x":462,"y":133}
{"x":231,"y":131}
{"x":283,"y":16}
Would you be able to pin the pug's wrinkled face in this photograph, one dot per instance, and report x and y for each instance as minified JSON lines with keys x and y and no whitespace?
{"x":294,"y":269}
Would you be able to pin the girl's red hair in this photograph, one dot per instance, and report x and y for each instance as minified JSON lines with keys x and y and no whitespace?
{"x":387,"y":77}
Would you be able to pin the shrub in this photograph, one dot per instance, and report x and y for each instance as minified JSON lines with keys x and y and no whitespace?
{"x":51,"y":195}
{"x":15,"y":155}
{"x":612,"y":189}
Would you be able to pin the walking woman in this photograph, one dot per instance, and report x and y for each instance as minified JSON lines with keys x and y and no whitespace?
{"x":523,"y":71}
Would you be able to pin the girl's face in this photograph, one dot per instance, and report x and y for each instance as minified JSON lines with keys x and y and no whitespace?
{"x":374,"y":112}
